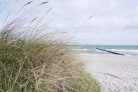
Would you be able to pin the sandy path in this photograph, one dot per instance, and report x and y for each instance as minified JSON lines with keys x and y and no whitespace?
{"x":115,"y":73}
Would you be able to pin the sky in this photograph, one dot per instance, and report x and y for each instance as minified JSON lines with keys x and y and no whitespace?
{"x":104,"y":22}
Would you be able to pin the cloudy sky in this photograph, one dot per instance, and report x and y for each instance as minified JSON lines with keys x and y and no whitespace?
{"x":90,"y":21}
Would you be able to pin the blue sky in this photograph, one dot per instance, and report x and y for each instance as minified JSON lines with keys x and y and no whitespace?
{"x":112,"y":22}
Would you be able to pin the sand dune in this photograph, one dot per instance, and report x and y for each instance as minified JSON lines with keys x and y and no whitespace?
{"x":115,"y":73}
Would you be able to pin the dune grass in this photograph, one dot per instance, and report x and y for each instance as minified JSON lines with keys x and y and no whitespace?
{"x":32,"y":63}
{"x":40,"y":65}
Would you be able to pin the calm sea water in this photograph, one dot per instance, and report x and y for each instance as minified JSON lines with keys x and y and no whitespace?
{"x":124,"y":49}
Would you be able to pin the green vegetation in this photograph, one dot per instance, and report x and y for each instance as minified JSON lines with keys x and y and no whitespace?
{"x":38,"y":65}
{"x":32,"y":63}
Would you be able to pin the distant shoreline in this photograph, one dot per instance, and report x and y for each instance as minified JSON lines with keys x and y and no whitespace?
{"x":123,"y":49}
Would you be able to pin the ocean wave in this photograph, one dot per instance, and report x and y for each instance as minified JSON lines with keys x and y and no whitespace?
{"x":125,"y":50}
{"x":122,"y":51}
{"x":81,"y":49}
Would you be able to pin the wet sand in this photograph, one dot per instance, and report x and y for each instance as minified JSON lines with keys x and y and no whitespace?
{"x":115,"y":73}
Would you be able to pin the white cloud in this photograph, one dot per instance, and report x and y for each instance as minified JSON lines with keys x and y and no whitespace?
{"x":115,"y":16}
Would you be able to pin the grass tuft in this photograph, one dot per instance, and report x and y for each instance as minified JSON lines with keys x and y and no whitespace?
{"x":32,"y":63}
{"x":40,"y":65}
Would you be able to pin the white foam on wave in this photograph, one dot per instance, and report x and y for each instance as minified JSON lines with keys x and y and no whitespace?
{"x":81,"y":49}
{"x":133,"y":51}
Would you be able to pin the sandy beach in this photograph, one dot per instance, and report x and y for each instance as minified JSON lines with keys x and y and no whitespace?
{"x":115,"y":73}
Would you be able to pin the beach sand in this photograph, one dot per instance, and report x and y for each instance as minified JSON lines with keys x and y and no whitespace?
{"x":115,"y":73}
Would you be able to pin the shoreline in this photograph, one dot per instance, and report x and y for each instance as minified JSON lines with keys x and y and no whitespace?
{"x":115,"y":73}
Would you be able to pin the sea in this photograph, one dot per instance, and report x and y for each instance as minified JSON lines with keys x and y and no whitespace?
{"x":123,"y":49}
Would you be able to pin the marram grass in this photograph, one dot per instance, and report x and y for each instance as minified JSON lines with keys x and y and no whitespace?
{"x":31,"y":63}
{"x":40,"y":65}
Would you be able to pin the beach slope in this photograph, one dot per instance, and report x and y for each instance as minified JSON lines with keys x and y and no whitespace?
{"x":115,"y":73}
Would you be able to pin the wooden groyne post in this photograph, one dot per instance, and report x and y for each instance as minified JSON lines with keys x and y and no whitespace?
{"x":110,"y":52}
